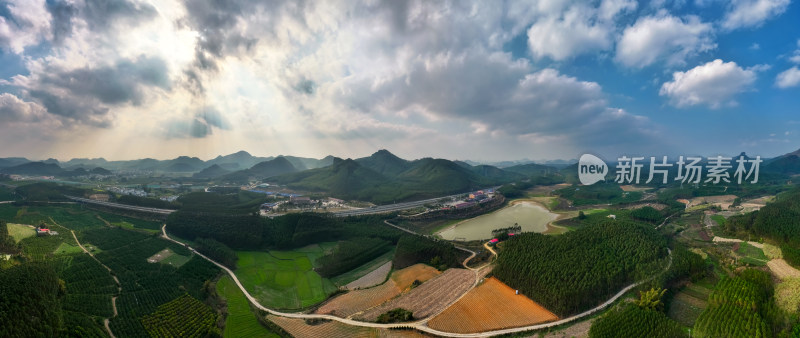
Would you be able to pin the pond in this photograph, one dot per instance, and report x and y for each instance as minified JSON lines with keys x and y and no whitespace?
{"x":530,"y":216}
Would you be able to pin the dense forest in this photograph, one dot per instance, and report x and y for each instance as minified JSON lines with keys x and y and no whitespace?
{"x":7,"y":244}
{"x":350,"y":254}
{"x":778,"y":221}
{"x":412,"y":249}
{"x":30,"y":301}
{"x":217,"y":251}
{"x":580,"y":269}
{"x":685,"y":264}
{"x":285,"y":232}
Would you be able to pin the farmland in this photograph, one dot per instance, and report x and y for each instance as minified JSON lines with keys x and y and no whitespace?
{"x":688,"y":304}
{"x":240,"y":320}
{"x":751,"y":254}
{"x":184,"y":316}
{"x":405,"y":277}
{"x":20,"y":231}
{"x":491,"y":306}
{"x":373,"y":278}
{"x":363,"y":270}
{"x":359,"y":300}
{"x":299,"y":328}
{"x":284,"y":279}
{"x":168,"y":257}
{"x":429,"y":298}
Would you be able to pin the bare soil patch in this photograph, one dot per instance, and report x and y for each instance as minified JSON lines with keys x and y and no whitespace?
{"x":491,"y":306}
{"x":782,"y":270}
{"x":429,"y":298}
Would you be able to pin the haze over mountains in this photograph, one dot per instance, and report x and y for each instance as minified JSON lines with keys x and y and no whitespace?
{"x":310,"y":173}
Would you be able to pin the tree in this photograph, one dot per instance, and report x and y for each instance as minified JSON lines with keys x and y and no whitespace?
{"x":651,"y":299}
{"x":581,"y":215}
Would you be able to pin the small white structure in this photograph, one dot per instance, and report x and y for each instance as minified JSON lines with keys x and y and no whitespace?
{"x":517,"y":291}
{"x":614,"y":217}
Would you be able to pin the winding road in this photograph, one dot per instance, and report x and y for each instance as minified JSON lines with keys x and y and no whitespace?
{"x":420,"y":325}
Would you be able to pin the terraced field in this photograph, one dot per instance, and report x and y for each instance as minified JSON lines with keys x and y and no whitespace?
{"x":299,"y":328}
{"x":688,"y":304}
{"x":491,"y":306}
{"x":429,"y":298}
{"x":360,"y":300}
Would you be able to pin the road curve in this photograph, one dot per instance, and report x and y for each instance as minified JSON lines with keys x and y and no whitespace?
{"x":418,"y":325}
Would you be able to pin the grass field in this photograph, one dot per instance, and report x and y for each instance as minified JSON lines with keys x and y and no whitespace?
{"x":719,"y":219}
{"x":66,"y":248}
{"x":20,"y":231}
{"x":284,"y":279}
{"x":752,"y":255}
{"x":360,"y":271}
{"x":240,"y":322}
{"x":491,"y":306}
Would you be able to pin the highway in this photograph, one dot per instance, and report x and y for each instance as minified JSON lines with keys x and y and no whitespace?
{"x":392,"y":207}
{"x":122,"y":206}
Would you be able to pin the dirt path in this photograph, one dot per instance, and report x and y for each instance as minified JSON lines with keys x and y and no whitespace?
{"x":116,"y":280}
{"x":418,"y":325}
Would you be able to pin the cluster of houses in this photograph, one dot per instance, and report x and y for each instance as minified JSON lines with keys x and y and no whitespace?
{"x":128,"y":191}
{"x":474,"y":198}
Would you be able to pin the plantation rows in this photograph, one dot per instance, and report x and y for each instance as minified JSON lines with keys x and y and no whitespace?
{"x":735,"y":308}
{"x":580,"y":269}
{"x":41,"y":248}
{"x":731,"y":320}
{"x":183,"y":317}
{"x":633,"y":321}
{"x":145,"y":286}
{"x":111,"y":238}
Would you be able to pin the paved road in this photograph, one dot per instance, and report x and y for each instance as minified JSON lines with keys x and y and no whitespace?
{"x":418,"y":325}
{"x":392,"y":207}
{"x":122,"y":206}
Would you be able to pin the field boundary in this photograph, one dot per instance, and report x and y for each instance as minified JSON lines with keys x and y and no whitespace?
{"x":418,"y":325}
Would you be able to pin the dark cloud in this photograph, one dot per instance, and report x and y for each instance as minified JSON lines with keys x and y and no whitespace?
{"x":218,"y":22}
{"x":100,"y":15}
{"x":88,"y":94}
{"x":61,"y":25}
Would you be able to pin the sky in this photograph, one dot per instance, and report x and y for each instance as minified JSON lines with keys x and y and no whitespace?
{"x":468,"y":80}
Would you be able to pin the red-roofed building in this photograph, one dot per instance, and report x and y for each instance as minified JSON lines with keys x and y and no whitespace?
{"x":495,"y":240}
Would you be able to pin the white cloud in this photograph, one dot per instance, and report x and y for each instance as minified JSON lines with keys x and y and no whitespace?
{"x":796,"y":54}
{"x":752,"y":13}
{"x":788,"y":78}
{"x":578,"y":30}
{"x":713,"y":84}
{"x":30,"y":24}
{"x":663,"y":38}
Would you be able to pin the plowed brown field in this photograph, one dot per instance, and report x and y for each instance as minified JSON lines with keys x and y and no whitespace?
{"x":429,"y":298}
{"x":405,"y":277}
{"x":491,"y":306}
{"x":364,"y":299}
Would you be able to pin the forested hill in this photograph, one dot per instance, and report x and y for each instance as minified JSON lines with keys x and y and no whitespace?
{"x":578,"y":270}
{"x":778,"y":221}
{"x":290,"y":231}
